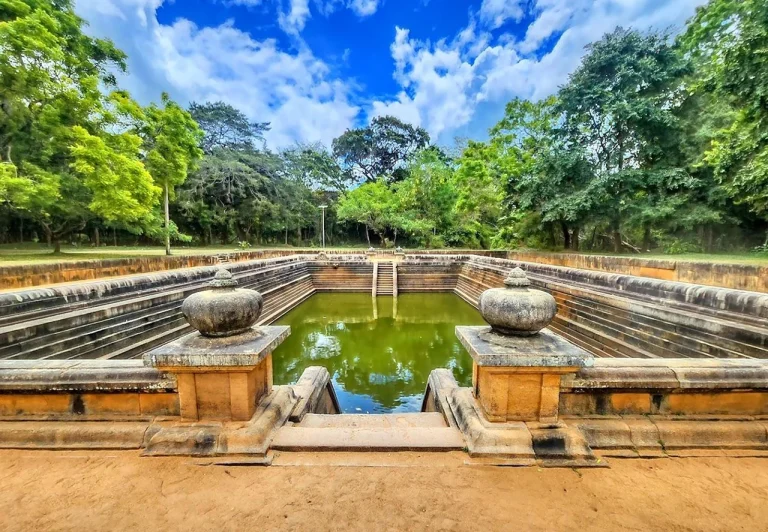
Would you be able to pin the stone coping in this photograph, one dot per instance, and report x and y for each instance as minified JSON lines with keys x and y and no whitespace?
{"x":683,"y":374}
{"x":545,"y":349}
{"x":65,"y":376}
{"x":129,"y":285}
{"x":197,"y":351}
{"x":54,"y":376}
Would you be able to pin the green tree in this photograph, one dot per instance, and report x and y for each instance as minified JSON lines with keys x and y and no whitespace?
{"x":727,"y":39}
{"x":171,"y":141}
{"x":57,"y":126}
{"x":370,"y":204}
{"x":226,"y":127}
{"x":380,"y":150}
{"x":618,"y":108}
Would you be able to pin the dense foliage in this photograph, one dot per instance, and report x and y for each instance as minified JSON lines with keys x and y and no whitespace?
{"x":654,"y":143}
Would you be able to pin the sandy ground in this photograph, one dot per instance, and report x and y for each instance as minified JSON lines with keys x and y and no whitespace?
{"x":121,"y":491}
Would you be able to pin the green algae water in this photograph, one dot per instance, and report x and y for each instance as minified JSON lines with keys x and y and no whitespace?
{"x":379,"y":351}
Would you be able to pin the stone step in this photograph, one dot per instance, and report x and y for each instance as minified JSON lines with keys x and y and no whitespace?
{"x":119,"y":341}
{"x":719,"y":346}
{"x":663,"y":342}
{"x":373,"y":421}
{"x":297,"y":438}
{"x":138,"y":348}
{"x":607,"y":343}
{"x":79,"y":337}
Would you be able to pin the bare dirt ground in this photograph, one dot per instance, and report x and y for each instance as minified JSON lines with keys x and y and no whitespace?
{"x":81,"y":491}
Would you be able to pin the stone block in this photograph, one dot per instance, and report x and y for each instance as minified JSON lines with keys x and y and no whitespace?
{"x":107,"y":403}
{"x":72,"y":435}
{"x":33,"y":404}
{"x":518,"y":394}
{"x":159,"y":404}
{"x":220,"y":378}
{"x":735,"y":403}
{"x":718,"y":434}
{"x":197,"y":439}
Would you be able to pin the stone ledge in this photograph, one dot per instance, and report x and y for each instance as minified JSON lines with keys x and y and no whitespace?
{"x":197,"y":352}
{"x":544,"y":350}
{"x":76,"y":376}
{"x":72,"y":435}
{"x":669,"y":374}
{"x":315,"y":393}
{"x":653,"y":436}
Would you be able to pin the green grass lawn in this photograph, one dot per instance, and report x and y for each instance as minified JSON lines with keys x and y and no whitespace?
{"x":11,"y":254}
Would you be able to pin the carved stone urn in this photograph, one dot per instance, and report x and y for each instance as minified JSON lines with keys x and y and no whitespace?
{"x":517,"y":309}
{"x":224,"y":309}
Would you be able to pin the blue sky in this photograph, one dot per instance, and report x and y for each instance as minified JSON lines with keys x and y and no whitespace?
{"x":314,"y":68}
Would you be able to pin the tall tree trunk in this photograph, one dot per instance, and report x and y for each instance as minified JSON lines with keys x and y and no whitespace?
{"x":21,"y":230}
{"x":57,"y":246}
{"x":167,"y":223}
{"x":96,"y":236}
{"x":616,"y":237}
{"x":647,"y":237}
{"x":710,"y":239}
{"x":114,"y":236}
{"x":367,"y":236}
{"x":286,"y":234}
{"x":575,"y":239}
{"x":566,"y":235}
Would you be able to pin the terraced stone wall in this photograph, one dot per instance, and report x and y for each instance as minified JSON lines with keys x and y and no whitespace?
{"x":737,"y":276}
{"x":619,"y":316}
{"x":122,"y":318}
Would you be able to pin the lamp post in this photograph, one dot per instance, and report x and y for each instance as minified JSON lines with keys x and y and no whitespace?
{"x":323,"y":207}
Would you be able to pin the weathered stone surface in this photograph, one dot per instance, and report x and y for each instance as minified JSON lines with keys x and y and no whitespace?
{"x":82,"y":376}
{"x":223,"y":310}
{"x":517,"y":309}
{"x":648,"y":436}
{"x":199,"y":439}
{"x":198,"y":351}
{"x":256,"y":437}
{"x":72,"y":435}
{"x":546,"y":349}
{"x":560,"y":445}
{"x":316,"y":394}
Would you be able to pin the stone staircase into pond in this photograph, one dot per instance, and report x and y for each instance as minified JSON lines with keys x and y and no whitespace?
{"x":385,"y":279}
{"x":423,"y":431}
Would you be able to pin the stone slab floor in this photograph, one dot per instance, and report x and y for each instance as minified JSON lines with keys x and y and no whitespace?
{"x":105,"y":490}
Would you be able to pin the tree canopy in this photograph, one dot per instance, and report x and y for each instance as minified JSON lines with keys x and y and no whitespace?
{"x":654,"y":142}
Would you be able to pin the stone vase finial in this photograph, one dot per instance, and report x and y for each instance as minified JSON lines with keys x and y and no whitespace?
{"x":223,"y":309}
{"x":517,"y":309}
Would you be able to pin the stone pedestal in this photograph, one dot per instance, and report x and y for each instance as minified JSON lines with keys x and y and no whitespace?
{"x":220,"y":379}
{"x":517,"y":378}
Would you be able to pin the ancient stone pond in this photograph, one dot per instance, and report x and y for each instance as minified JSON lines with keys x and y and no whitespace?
{"x":386,"y":351}
{"x":379,"y":351}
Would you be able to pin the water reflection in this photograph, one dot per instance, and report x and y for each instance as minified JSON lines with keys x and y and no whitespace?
{"x":379,"y":351}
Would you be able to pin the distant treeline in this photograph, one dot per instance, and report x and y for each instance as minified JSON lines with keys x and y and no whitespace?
{"x":654,"y":143}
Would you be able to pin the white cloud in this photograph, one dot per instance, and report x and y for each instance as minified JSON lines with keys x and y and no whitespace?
{"x":294,"y":14}
{"x":294,"y":20}
{"x":496,"y":13}
{"x":363,"y":8}
{"x":296,"y":92}
{"x":460,"y":85}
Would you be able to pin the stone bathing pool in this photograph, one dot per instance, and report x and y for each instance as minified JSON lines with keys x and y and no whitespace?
{"x":379,"y":351}
{"x":676,"y":365}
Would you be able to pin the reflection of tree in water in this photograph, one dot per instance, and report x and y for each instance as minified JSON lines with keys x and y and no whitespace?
{"x":386,"y":359}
